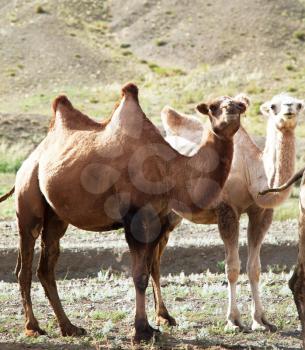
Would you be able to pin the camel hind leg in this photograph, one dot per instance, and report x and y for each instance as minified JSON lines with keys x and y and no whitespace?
{"x":53,"y":230}
{"x":162,"y":315}
{"x":29,"y":221}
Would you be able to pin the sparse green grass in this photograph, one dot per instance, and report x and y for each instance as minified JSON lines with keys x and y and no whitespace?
{"x":7,"y":209}
{"x":40,"y":10}
{"x":201,"y":318}
{"x":11,"y":157}
{"x":221,"y":266}
{"x":288,"y":210}
{"x":103,"y":315}
{"x":300,"y":35}
{"x":161,"y":42}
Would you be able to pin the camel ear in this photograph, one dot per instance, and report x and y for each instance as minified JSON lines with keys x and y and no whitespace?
{"x":203,"y":108}
{"x":301,"y":105}
{"x":265,"y":108}
{"x":243,"y":98}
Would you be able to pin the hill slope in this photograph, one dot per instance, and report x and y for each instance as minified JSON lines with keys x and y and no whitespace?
{"x":178,"y":52}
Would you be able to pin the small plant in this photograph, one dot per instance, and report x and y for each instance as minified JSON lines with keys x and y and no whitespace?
{"x":160,"y":42}
{"x":300,"y":35}
{"x":290,"y":67}
{"x":165,"y":71}
{"x":125,"y":46}
{"x":221,"y":266}
{"x":94,"y":100}
{"x":40,"y":10}
{"x":126,"y":53}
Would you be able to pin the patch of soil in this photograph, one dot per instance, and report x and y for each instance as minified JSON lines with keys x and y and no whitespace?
{"x":191,"y":249}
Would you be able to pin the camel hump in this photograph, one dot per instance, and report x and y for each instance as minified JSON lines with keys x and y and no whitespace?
{"x":61,"y":100}
{"x":176,"y":123}
{"x":132,"y":90}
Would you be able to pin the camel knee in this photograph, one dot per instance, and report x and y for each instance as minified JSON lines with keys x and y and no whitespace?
{"x":254,"y":271}
{"x":232,"y":274}
{"x":41,"y":274}
{"x":233,"y":269}
{"x":141,"y":281}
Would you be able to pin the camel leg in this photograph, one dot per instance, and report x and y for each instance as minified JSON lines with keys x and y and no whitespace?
{"x":28,"y":231}
{"x":162,"y":315}
{"x":142,"y":244}
{"x":297,"y":281}
{"x":259,"y":223}
{"x":53,"y":230}
{"x":228,"y":225}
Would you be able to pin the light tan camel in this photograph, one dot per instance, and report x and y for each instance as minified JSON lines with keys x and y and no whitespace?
{"x":252,"y":171}
{"x":103,"y":176}
{"x":297,"y":281}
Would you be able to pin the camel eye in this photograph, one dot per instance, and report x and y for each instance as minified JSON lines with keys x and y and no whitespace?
{"x":273,"y":107}
{"x":213,"y":107}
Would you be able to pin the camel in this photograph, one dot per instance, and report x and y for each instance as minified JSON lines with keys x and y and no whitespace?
{"x":297,"y":281}
{"x":252,"y":171}
{"x":120,"y":173}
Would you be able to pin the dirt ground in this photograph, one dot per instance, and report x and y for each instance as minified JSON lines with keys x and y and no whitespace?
{"x":102,"y":300}
{"x":105,"y":307}
{"x":191,"y":249}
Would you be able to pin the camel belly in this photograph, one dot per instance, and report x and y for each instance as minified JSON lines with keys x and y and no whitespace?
{"x":78,"y":201}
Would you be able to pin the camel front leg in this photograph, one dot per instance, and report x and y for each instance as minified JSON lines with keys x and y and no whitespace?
{"x":143,"y":231}
{"x":229,"y":231}
{"x":259,"y":222}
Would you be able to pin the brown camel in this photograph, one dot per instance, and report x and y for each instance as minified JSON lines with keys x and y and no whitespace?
{"x":297,"y":281}
{"x":103,"y":176}
{"x":252,"y":170}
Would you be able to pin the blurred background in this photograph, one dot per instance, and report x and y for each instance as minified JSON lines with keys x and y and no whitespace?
{"x":178,"y":52}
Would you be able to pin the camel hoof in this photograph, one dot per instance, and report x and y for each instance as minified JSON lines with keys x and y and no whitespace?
{"x":145,"y":335}
{"x":72,"y":331}
{"x":166,"y":320}
{"x":34,"y":332}
{"x":235,"y":326}
{"x":263,"y":325}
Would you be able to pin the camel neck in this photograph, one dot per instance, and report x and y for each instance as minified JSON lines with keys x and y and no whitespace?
{"x":285,"y":157}
{"x":200,"y":179}
{"x":279,"y":155}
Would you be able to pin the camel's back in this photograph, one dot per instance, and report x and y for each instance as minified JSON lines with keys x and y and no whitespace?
{"x":84,"y":168}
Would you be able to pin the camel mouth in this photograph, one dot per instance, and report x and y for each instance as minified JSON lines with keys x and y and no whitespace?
{"x":289,"y":115}
{"x":231,"y":117}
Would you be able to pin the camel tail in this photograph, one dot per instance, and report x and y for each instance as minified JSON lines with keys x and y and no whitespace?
{"x":291,"y":181}
{"x":7,"y":195}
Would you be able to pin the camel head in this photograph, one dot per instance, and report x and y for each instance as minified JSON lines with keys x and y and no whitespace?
{"x":224,"y":114}
{"x":284,"y":110}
